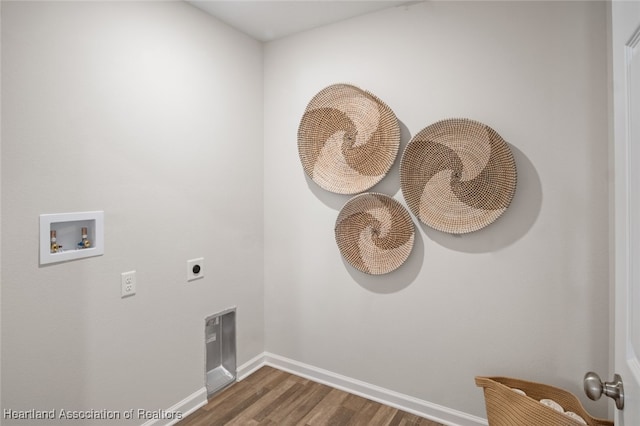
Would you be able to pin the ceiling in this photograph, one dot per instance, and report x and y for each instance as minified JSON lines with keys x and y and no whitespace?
{"x":267,"y":20}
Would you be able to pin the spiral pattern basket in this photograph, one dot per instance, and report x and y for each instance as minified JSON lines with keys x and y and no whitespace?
{"x":458,"y":175}
{"x":347,"y":139}
{"x":375,"y":233}
{"x":505,"y":407}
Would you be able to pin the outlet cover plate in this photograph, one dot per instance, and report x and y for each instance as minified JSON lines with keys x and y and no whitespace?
{"x":195,"y":269}
{"x":128,"y":282}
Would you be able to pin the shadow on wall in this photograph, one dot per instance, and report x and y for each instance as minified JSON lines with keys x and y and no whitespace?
{"x":514,"y":223}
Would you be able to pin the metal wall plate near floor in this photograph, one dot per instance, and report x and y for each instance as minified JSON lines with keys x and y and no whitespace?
{"x":220,"y":346}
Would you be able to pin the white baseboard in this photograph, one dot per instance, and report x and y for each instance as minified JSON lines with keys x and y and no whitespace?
{"x":407,"y":403}
{"x":250,"y":366}
{"x":187,"y":406}
{"x":199,"y":398}
{"x":428,"y":410}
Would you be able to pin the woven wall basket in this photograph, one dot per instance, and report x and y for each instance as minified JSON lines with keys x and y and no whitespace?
{"x":348,"y":139}
{"x":458,"y":175}
{"x":375,"y":233}
{"x":505,"y":407}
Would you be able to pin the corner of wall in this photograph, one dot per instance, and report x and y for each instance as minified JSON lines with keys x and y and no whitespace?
{"x":1,"y":405}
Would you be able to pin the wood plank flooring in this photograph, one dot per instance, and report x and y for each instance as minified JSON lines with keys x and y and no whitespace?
{"x":273,"y":397}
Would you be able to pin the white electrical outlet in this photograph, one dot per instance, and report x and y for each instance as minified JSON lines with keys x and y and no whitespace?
{"x":195,"y":269}
{"x":128,"y":282}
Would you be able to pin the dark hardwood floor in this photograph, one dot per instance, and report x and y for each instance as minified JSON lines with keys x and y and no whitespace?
{"x":275,"y":398}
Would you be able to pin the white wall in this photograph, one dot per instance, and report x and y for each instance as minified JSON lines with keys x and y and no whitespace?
{"x":152,"y":112}
{"x":0,"y":215}
{"x":526,"y":296}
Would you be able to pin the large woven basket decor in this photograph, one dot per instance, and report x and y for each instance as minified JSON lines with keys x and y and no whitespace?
{"x":458,"y":175}
{"x":348,"y":139}
{"x":505,"y":407}
{"x":375,"y":233}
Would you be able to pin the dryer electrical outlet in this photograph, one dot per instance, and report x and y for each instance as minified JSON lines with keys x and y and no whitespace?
{"x":195,"y":269}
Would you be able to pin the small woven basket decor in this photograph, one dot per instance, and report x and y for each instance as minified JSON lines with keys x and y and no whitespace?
{"x":506,"y":407}
{"x":348,"y":139}
{"x":457,"y":175}
{"x":375,"y":233}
